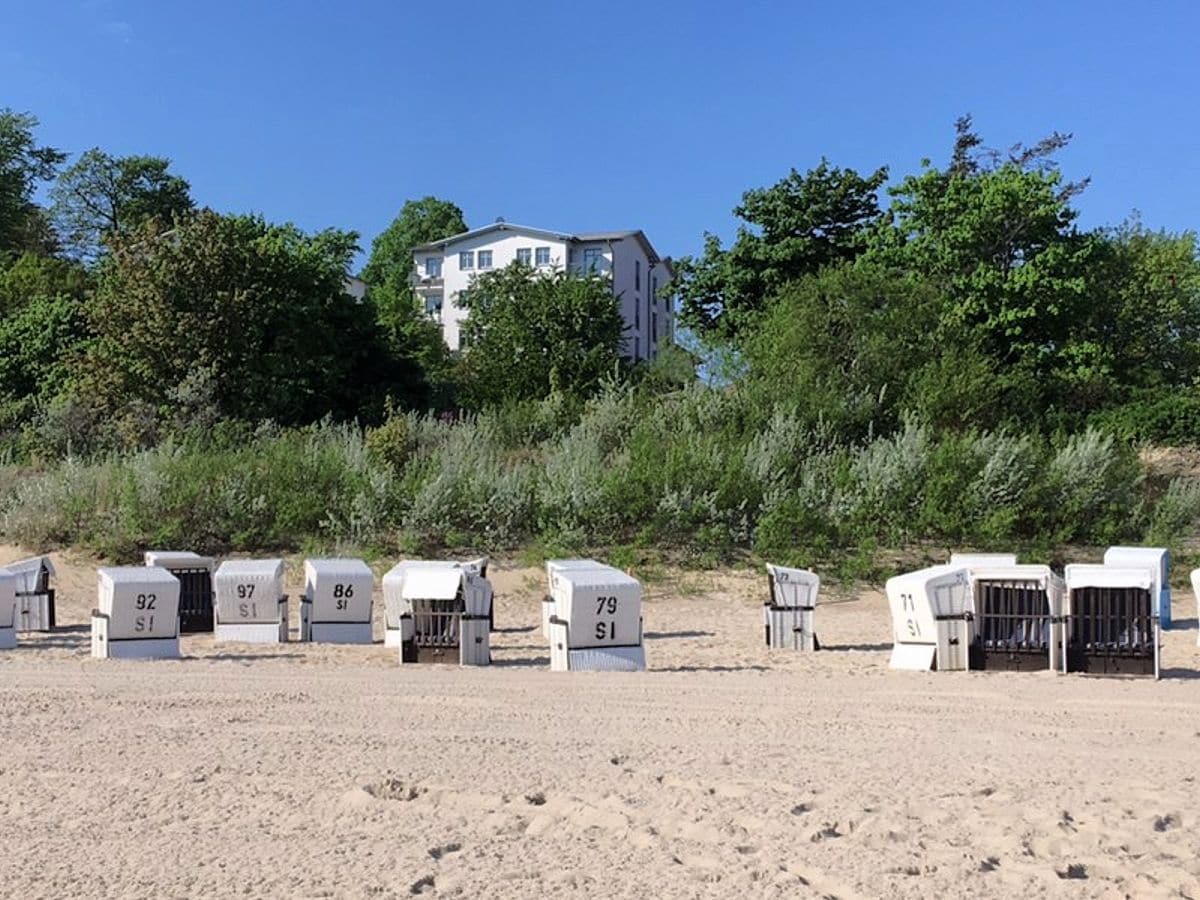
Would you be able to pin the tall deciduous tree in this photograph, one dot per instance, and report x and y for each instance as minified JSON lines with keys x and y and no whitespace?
{"x":409,"y":331}
{"x":792,"y":229}
{"x":995,"y":233}
{"x":23,"y":164}
{"x":528,"y":334}
{"x":257,"y":312}
{"x":102,"y":195}
{"x":419,"y":222}
{"x":41,"y":329}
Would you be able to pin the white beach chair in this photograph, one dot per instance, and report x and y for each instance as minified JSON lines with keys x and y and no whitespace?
{"x":931,"y":624}
{"x":788,"y":612}
{"x":35,"y":596}
{"x":9,"y":609}
{"x":195,"y":574}
{"x":1018,"y":617}
{"x":1158,"y":561}
{"x":336,"y":607}
{"x":1112,"y":622}
{"x":597,"y":621}
{"x":437,"y":611}
{"x":137,"y":614}
{"x":251,"y":606}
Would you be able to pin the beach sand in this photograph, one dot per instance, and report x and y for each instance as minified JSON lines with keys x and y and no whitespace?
{"x":727,"y":770}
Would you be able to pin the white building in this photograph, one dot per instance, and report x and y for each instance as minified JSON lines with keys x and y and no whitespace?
{"x":443,"y":269}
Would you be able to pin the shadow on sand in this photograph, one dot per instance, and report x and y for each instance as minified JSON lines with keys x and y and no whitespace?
{"x":525,"y":662}
{"x":661,"y":635}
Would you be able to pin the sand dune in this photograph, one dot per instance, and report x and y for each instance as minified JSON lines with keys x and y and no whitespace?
{"x":726,"y":771}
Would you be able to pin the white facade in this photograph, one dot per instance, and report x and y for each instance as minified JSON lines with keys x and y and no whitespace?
{"x":443,"y":269}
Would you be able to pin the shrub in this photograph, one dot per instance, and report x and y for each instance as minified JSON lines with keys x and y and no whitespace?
{"x":393,"y":442}
{"x":1169,"y":416}
{"x":1177,"y":513}
{"x":696,"y":471}
{"x":1091,"y":483}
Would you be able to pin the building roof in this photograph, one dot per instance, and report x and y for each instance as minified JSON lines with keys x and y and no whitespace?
{"x":494,"y":226}
{"x":580,"y":238}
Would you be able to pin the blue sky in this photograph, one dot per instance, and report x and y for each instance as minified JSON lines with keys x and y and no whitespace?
{"x":580,"y":117}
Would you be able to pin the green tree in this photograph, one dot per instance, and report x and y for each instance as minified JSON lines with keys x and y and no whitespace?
{"x":528,"y":334}
{"x":995,"y":234}
{"x":22,"y":165}
{"x":409,"y":331}
{"x":793,"y":228}
{"x":41,"y":329}
{"x":102,"y":195}
{"x":255,"y":313}
{"x":843,"y":347}
{"x":37,"y":343}
{"x":30,"y":277}
{"x":419,"y":222}
{"x":411,"y":334}
{"x":1137,"y":349}
{"x":999,"y":238}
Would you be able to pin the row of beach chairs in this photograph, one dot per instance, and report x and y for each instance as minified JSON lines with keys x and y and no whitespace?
{"x":434,"y":610}
{"x":978,"y":611}
{"x":986,"y":611}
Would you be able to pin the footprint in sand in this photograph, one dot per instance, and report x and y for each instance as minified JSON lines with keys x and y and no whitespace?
{"x":1074,"y":870}
{"x":421,"y":885}
{"x":827,"y":831}
{"x":439,"y":852}
{"x":1167,"y":822}
{"x":393,"y":789}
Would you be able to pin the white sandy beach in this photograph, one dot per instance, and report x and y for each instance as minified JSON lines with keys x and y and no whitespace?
{"x":725,"y":771}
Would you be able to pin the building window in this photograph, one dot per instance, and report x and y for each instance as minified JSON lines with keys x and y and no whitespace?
{"x":525,"y":256}
{"x":542,"y":256}
{"x":637,"y":274}
{"x":466,"y":259}
{"x":433,"y":307}
{"x":485,"y":259}
{"x":433,"y":266}
{"x":591,"y":259}
{"x":637,"y":315}
{"x":654,"y":326}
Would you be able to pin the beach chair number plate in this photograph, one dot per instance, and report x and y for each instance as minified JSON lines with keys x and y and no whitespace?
{"x":907,"y":603}
{"x":606,"y":631}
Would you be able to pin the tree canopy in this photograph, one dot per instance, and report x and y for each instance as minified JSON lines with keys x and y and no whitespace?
{"x":793,"y":228}
{"x":23,"y":165}
{"x":530,"y":333}
{"x":100,"y":195}
{"x":418,"y":222}
{"x":966,"y":293}
{"x":254,"y":313}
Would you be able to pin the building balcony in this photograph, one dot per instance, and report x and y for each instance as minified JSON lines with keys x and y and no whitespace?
{"x":426,"y":282}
